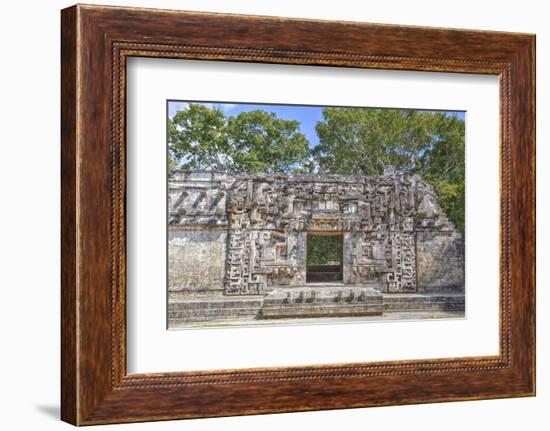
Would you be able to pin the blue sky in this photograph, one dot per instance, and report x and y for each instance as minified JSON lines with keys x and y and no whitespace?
{"x":308,"y":116}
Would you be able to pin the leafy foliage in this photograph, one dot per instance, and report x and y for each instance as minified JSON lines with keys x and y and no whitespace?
{"x":363,"y":141}
{"x":197,"y":138}
{"x":324,"y":250}
{"x":201,"y":138}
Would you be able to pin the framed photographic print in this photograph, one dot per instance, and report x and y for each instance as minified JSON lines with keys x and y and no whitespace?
{"x":264,"y":214}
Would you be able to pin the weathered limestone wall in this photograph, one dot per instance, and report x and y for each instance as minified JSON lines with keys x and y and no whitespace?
{"x":197,"y":232}
{"x":246,"y":234}
{"x":440,"y":261}
{"x":197,"y":259}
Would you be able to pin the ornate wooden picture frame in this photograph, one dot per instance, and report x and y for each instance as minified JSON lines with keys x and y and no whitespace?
{"x":96,"y":41}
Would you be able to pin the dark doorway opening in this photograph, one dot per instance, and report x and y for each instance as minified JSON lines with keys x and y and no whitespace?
{"x":324,"y":258}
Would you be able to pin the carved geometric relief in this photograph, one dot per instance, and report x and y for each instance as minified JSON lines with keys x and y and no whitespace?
{"x":265,"y":216}
{"x":401,"y":277}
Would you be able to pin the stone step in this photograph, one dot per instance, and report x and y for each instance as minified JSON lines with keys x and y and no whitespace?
{"x":216,"y":304}
{"x":308,"y":300}
{"x":440,"y":303}
{"x":421,"y":304}
{"x":199,"y":319}
{"x":213,"y":313}
{"x":322,"y":311}
{"x":399,"y":297}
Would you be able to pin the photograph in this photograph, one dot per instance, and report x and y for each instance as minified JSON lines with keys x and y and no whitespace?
{"x":300,"y":214}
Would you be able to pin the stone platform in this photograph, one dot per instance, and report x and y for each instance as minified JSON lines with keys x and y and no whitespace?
{"x":319,"y":302}
{"x":337,"y":301}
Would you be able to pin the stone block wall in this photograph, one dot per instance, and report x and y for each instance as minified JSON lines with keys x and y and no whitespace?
{"x":440,"y":261}
{"x":196,"y":259}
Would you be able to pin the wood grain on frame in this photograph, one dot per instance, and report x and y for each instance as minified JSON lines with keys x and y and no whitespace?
{"x":95,"y":42}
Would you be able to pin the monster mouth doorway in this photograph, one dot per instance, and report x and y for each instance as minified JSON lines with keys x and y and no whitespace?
{"x":324,"y":258}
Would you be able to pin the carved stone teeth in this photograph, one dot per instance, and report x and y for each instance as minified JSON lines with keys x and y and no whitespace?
{"x":288,"y":298}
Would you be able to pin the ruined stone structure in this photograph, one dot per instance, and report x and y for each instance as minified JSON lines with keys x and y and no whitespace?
{"x":237,"y":247}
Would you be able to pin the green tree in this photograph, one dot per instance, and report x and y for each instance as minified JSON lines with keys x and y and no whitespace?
{"x":198,"y":139}
{"x":364,"y":141}
{"x":255,"y":141}
{"x":265,"y":143}
{"x":324,"y":250}
{"x":443,"y":166}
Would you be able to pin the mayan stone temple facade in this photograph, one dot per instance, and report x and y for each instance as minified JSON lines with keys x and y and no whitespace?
{"x":238,"y":250}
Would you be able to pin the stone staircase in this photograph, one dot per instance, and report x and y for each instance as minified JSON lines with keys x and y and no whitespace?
{"x":416,"y":302}
{"x":218,"y":310}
